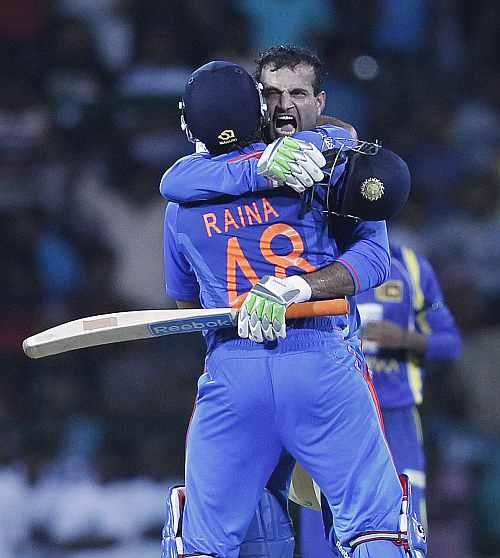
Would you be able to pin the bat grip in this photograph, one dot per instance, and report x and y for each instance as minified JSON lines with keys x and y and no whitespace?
{"x":333,"y":307}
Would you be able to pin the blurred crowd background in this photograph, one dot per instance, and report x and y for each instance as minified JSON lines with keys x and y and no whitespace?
{"x":90,"y":441}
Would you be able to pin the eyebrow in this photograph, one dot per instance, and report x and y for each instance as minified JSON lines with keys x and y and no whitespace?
{"x":273,"y":88}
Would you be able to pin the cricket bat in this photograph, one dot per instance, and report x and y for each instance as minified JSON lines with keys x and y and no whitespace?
{"x":141,"y":324}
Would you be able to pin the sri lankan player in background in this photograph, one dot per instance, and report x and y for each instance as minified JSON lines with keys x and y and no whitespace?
{"x":291,"y":79}
{"x":405,"y":323}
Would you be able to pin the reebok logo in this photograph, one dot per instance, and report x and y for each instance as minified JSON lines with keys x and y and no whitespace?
{"x":188,"y":325}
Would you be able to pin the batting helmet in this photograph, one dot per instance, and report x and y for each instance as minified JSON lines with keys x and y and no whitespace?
{"x":376,"y":187}
{"x":222,"y":106}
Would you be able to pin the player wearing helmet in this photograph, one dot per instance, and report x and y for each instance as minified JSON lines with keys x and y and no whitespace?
{"x":247,"y":411}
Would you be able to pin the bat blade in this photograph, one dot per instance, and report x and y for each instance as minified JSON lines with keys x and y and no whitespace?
{"x":141,"y":324}
{"x":124,"y":326}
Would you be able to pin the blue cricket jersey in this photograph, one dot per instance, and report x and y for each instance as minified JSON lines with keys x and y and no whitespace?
{"x":229,"y":229}
{"x":411,"y":298}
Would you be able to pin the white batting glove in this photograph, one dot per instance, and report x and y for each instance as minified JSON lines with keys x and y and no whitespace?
{"x":262,"y":315}
{"x":292,"y":162}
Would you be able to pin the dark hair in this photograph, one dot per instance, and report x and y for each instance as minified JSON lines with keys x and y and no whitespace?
{"x":289,"y":56}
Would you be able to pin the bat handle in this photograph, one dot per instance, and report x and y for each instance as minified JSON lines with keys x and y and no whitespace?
{"x":333,"y":307}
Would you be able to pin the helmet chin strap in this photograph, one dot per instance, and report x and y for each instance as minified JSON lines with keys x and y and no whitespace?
{"x":184,"y":126}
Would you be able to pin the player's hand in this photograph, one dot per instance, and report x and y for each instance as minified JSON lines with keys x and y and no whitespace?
{"x":386,"y":334}
{"x":292,"y":162}
{"x":262,"y":315}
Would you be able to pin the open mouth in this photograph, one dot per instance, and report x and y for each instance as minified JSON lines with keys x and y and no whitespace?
{"x":285,"y":124}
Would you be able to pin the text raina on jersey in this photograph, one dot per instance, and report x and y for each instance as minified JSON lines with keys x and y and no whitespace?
{"x":225,"y":219}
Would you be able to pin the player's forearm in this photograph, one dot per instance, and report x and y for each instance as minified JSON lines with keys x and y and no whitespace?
{"x":415,"y":342}
{"x":333,"y":281}
{"x":445,"y":346}
{"x":365,"y":264}
{"x":198,"y":178}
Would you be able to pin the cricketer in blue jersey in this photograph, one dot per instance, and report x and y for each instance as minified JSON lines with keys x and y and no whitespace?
{"x":405,"y":322}
{"x":248,"y":411}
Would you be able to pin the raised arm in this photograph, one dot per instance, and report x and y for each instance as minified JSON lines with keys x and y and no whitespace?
{"x":202,"y":177}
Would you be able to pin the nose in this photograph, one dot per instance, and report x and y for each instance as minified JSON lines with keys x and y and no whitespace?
{"x":285,"y":101}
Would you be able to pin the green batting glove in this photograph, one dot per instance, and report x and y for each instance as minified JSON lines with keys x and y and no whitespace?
{"x":292,"y":162}
{"x":262,"y":315}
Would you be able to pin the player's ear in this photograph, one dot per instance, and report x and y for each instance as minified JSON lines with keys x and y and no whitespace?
{"x":320,"y":102}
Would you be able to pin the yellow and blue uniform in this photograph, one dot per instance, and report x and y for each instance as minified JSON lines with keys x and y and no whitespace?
{"x":411,"y":298}
{"x":306,"y":394}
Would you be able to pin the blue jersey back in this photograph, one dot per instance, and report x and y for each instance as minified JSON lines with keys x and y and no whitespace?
{"x":224,"y":247}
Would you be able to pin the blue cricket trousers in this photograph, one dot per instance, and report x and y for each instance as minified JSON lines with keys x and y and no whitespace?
{"x":307,"y":395}
{"x":404,"y":436}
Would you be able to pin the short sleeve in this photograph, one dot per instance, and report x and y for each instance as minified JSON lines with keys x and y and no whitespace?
{"x":181,"y":283}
